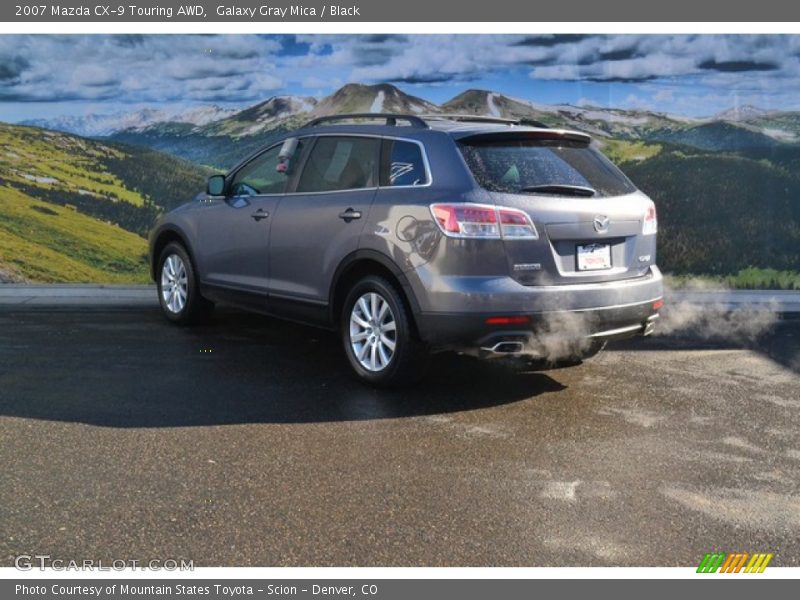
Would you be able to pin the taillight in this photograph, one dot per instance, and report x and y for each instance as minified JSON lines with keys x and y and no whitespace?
{"x":650,"y":225}
{"x":468,"y":220}
{"x":516,"y":224}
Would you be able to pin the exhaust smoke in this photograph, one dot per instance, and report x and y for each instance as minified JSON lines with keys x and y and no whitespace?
{"x":714,"y":320}
{"x":563,"y":336}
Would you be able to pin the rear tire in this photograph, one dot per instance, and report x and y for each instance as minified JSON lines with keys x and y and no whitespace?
{"x":378,"y":335}
{"x":178,"y":290}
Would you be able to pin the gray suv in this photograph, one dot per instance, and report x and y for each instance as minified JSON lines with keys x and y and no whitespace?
{"x":410,"y":235}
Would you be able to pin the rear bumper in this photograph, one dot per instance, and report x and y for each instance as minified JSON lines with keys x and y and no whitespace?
{"x":588,"y":311}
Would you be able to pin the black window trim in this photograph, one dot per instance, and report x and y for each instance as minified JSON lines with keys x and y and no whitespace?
{"x":291,"y":186}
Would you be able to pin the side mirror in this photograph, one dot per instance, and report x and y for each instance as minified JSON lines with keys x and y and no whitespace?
{"x":216,"y":185}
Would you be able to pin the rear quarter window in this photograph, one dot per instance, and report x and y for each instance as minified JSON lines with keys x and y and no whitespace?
{"x":513,"y":165}
{"x":402,"y":164}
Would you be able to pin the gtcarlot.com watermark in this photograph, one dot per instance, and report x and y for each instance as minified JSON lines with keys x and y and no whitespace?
{"x":43,"y":562}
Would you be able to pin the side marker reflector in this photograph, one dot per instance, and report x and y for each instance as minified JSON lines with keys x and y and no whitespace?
{"x":513,"y":320}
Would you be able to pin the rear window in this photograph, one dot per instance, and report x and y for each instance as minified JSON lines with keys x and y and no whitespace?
{"x":511,"y":166}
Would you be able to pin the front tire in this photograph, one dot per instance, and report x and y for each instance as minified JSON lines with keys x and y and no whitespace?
{"x":378,"y":335}
{"x":178,"y":291}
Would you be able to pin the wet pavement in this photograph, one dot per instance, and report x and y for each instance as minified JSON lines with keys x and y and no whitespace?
{"x":248,"y":443}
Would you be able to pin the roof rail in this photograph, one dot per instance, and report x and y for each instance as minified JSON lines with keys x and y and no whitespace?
{"x":390,"y":118}
{"x":472,"y":118}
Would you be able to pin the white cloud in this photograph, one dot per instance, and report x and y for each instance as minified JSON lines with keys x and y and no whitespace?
{"x":636,"y":101}
{"x":428,"y":59}
{"x":664,"y":95}
{"x":315,"y":82}
{"x":136,"y":68}
{"x":246,"y":68}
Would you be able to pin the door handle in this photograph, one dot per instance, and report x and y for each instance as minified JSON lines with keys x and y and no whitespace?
{"x":349,"y":215}
{"x":260,"y":214}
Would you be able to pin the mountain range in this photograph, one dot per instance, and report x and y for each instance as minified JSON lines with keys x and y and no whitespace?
{"x":75,"y":209}
{"x":101,"y":125}
{"x":204,"y":134}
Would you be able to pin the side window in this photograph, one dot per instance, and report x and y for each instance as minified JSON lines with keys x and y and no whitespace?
{"x":340,"y":163}
{"x":265,"y":174}
{"x":402,"y":164}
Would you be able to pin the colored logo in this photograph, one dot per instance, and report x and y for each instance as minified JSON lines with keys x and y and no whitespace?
{"x":736,"y":562}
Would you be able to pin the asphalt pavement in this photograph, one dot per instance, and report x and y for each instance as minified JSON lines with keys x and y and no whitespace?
{"x":247,"y":442}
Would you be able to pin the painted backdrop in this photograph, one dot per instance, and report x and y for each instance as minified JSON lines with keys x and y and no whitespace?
{"x":101,"y":133}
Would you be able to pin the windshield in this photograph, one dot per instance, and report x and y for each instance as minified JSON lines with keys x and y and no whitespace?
{"x":554,"y":167}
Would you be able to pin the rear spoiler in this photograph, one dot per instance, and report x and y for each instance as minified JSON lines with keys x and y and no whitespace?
{"x":507,"y":135}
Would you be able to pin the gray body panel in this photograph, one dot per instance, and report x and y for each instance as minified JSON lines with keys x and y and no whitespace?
{"x":294,"y":258}
{"x":563,"y":223}
{"x":309,"y":240}
{"x":493,"y":294}
{"x":230,"y":249}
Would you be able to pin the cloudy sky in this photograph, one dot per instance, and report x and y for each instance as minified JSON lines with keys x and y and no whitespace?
{"x":46,"y":76}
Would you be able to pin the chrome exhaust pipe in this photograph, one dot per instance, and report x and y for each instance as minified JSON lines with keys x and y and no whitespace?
{"x":506,"y":348}
{"x":650,"y":325}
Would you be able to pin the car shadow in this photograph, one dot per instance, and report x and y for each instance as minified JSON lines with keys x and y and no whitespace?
{"x":132,"y":369}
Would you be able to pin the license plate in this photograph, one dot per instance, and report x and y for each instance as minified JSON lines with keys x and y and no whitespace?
{"x":594,"y":257}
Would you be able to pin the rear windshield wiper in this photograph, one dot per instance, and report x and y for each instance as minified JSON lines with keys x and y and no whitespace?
{"x":560,"y":189}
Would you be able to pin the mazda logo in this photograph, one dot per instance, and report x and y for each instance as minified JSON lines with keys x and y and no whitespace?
{"x":601,"y":223}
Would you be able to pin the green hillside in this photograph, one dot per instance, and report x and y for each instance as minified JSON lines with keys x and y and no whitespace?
{"x":46,"y":243}
{"x":716,"y":136}
{"x":77,"y":210}
{"x":216,"y":150}
{"x":720,"y":213}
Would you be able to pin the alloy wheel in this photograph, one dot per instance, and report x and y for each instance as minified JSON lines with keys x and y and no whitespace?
{"x":174,"y":283}
{"x":373,"y":332}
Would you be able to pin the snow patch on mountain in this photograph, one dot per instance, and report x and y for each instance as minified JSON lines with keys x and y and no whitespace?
{"x":779,"y":134}
{"x":744,"y":112}
{"x":305,"y":104}
{"x":492,"y":105}
{"x":377,"y":104}
{"x":279,"y":107}
{"x":613,"y":117}
{"x":203,"y":115}
{"x":545,"y":108}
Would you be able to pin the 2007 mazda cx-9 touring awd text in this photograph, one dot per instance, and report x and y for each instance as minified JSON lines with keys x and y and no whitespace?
{"x":413,"y":235}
